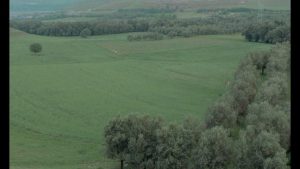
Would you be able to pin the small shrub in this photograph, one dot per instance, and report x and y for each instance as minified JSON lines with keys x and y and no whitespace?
{"x":36,"y":48}
{"x":85,"y":33}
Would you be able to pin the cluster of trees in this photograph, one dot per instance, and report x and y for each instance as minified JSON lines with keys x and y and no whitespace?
{"x":145,"y":36}
{"x":236,"y":10}
{"x":247,"y":128}
{"x":259,"y":108}
{"x":142,"y":13}
{"x":167,"y":9}
{"x":268,"y":116}
{"x":190,"y":31}
{"x":268,"y":32}
{"x":215,"y":23}
{"x":231,"y":109}
{"x":149,"y":143}
{"x":75,"y":28}
{"x":261,"y":76}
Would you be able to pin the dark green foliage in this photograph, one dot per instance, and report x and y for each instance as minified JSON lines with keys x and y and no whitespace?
{"x":191,"y":28}
{"x":35,"y":48}
{"x":116,"y":140}
{"x":175,"y":144}
{"x":194,"y":128}
{"x":263,"y":116}
{"x":280,"y":60}
{"x":268,"y":117}
{"x":268,"y":32}
{"x":222,"y":113}
{"x":279,"y":34}
{"x":85,"y":32}
{"x":245,"y":84}
{"x":75,"y":28}
{"x":220,"y":10}
{"x":214,"y":150}
{"x":172,"y":151}
{"x":264,"y":107}
{"x":148,"y":10}
{"x":143,"y":142}
{"x":145,"y":36}
{"x":136,"y":149}
{"x":267,"y":138}
{"x":260,"y":151}
{"x":260,"y":60}
{"x":274,"y":90}
{"x":132,"y":139}
{"x":278,"y":161}
{"x":129,"y":20}
{"x":244,"y":88}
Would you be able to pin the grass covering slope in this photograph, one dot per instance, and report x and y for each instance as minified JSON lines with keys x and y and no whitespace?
{"x":131,"y":4}
{"x":61,"y":99}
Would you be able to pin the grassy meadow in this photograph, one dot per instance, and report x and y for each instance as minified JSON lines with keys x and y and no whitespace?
{"x":62,"y":98}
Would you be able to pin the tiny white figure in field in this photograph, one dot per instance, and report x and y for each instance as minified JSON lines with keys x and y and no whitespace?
{"x":227,"y":82}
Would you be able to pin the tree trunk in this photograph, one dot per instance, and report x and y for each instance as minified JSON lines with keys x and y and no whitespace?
{"x":263,"y":69}
{"x":122,"y":164}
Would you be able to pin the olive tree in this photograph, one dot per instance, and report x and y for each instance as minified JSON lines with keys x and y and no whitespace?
{"x":244,"y":88}
{"x":132,"y":139}
{"x":261,"y":151}
{"x":214,"y":150}
{"x":263,"y":116}
{"x":170,"y":152}
{"x":274,"y":90}
{"x":260,"y":60}
{"x":222,"y":113}
{"x":280,"y":59}
{"x":116,"y":137}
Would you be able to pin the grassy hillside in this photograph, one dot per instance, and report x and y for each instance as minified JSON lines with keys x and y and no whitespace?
{"x":39,"y":5}
{"x":193,"y":4}
{"x":47,"y":5}
{"x":61,"y":99}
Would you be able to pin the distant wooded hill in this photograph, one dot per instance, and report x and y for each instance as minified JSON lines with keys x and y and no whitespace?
{"x":53,"y":5}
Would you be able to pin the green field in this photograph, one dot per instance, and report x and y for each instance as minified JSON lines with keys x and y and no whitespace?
{"x":61,"y":99}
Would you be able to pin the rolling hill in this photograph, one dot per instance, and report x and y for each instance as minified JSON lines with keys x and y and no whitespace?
{"x":192,"y":4}
{"x":104,"y":5}
{"x":62,"y":98}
